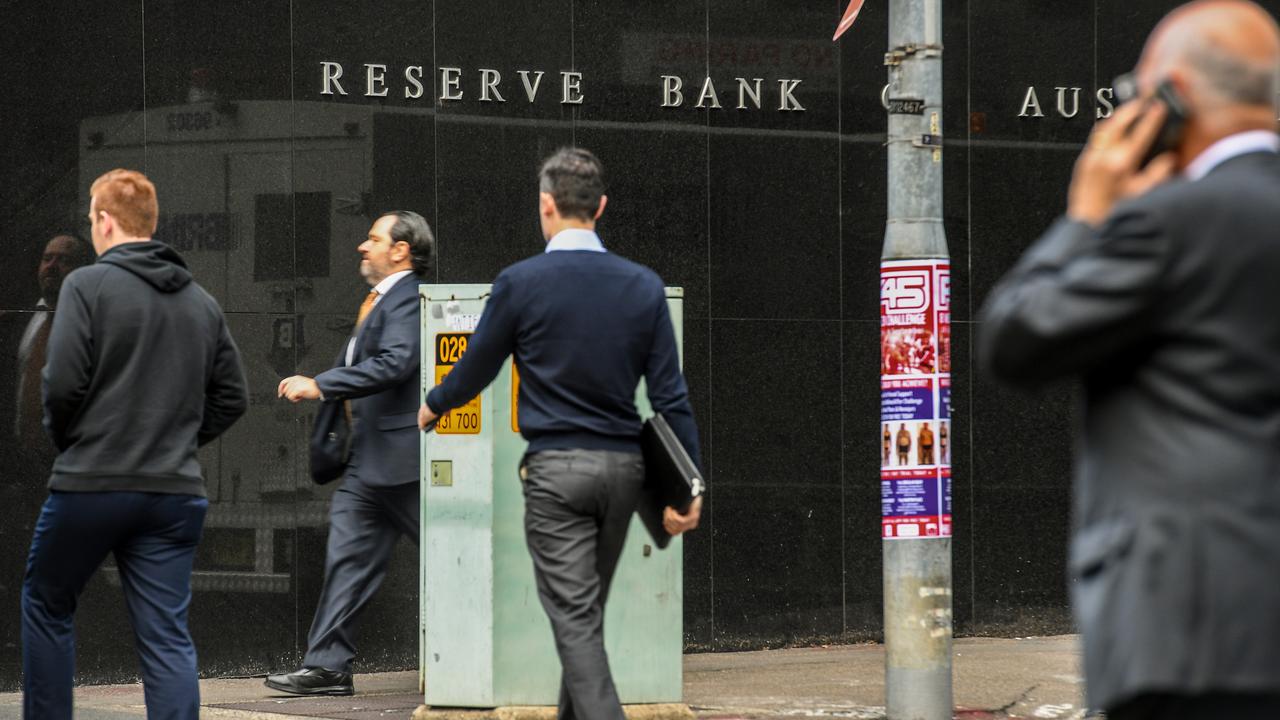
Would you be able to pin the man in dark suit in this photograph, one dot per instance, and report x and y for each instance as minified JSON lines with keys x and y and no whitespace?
{"x":1159,"y":291}
{"x":584,"y":325}
{"x":378,"y":375}
{"x":24,"y":338}
{"x":62,"y":254}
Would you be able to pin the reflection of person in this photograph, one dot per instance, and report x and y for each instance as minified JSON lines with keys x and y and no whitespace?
{"x":141,"y":370}
{"x":378,"y":499}
{"x":62,"y":254}
{"x":24,"y":337}
{"x":904,"y":445}
{"x":1160,"y":294}
{"x":943,"y":434}
{"x":584,"y":326}
{"x":925,"y":440}
{"x":888,"y":441}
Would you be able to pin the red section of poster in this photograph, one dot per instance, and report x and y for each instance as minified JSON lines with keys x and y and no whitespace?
{"x":907,"y":321}
{"x":925,"y":526}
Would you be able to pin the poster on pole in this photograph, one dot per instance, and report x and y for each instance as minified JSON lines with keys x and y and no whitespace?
{"x":915,"y":399}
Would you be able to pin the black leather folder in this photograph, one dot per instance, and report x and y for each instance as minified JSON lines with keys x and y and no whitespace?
{"x":330,"y":443}
{"x":670,"y":477}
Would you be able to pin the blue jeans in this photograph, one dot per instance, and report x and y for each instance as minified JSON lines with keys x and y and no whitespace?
{"x":153,"y":537}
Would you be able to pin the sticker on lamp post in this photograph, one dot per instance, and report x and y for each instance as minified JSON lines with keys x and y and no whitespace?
{"x":915,"y":399}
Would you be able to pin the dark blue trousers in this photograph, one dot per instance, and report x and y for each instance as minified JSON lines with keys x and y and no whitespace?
{"x":364,"y":524}
{"x":153,"y":537}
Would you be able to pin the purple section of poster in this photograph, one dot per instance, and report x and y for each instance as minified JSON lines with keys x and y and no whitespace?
{"x":945,"y":404}
{"x":913,"y":403}
{"x":946,"y":495}
{"x":909,"y":497}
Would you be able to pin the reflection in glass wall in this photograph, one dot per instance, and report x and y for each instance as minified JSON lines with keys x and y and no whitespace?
{"x":276,"y":130}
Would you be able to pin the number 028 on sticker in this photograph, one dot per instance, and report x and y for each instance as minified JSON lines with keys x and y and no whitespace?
{"x":465,"y":420}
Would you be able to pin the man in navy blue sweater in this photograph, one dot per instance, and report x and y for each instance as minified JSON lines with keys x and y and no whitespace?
{"x":584,"y":326}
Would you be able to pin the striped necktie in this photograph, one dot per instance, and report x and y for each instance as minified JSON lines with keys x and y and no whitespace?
{"x":366,"y":306}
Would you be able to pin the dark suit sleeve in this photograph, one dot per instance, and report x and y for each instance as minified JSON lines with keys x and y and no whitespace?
{"x":668,"y":393}
{"x":69,"y":362}
{"x":226,"y":396}
{"x":492,"y":343}
{"x":395,"y":361}
{"x":1078,"y":297}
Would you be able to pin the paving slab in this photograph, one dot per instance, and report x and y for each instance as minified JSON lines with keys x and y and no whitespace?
{"x":993,"y":679}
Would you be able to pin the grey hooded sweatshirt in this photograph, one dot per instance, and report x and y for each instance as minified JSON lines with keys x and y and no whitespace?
{"x":141,"y":371}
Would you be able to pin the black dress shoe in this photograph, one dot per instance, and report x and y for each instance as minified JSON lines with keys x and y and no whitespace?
{"x":313,"y":681}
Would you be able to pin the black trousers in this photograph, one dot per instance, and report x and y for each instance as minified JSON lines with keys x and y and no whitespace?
{"x":364,"y":525}
{"x":578,"y":505}
{"x":1209,"y":706}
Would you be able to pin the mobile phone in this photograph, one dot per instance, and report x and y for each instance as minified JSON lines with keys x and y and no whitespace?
{"x":1175,"y":120}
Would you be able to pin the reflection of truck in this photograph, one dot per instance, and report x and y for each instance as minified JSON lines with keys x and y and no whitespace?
{"x":267,"y":201}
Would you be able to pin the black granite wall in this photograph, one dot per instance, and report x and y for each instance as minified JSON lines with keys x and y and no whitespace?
{"x":771,"y":219}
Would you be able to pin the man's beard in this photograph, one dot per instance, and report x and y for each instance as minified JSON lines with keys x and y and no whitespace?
{"x":49,"y":289}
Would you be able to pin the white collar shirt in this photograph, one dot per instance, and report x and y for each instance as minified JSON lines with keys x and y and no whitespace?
{"x":1230,"y":147}
{"x":381,"y":288}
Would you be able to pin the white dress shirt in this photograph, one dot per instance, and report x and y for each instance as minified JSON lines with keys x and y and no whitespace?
{"x":42,"y":315}
{"x":1230,"y":147}
{"x":575,"y":239}
{"x":381,"y":288}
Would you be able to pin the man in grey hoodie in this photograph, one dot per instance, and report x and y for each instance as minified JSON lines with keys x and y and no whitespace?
{"x":140,"y":372}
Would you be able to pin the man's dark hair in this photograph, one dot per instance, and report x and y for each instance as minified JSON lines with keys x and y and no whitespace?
{"x":412,"y":228}
{"x":575,"y":180}
{"x":84,"y":249}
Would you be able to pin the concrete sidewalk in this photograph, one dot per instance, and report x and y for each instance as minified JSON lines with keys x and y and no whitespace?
{"x":994,"y":678}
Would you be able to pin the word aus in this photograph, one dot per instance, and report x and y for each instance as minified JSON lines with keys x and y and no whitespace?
{"x":1066,"y":102}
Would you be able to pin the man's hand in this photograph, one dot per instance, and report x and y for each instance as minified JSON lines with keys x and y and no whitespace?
{"x":675,"y":523}
{"x":1107,"y":171}
{"x":298,"y":388}
{"x":425,"y":417}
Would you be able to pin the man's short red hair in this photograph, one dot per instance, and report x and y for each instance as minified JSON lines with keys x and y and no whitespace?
{"x":130,"y":198}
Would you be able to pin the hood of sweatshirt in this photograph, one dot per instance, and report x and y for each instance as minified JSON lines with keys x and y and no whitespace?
{"x":155,"y":262}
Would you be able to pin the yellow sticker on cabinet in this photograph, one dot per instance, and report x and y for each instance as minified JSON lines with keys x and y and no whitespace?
{"x":464,"y":420}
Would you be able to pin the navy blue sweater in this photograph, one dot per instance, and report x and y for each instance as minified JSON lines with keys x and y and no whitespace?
{"x":584,"y":328}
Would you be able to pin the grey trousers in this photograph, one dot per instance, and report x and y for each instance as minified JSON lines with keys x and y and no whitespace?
{"x":364,"y":525}
{"x":578,"y":504}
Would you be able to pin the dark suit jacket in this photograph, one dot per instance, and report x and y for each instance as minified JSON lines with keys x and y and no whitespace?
{"x":1169,"y":314}
{"x":383,"y":385}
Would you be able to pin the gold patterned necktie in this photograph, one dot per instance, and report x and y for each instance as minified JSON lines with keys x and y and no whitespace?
{"x":366,"y":306}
